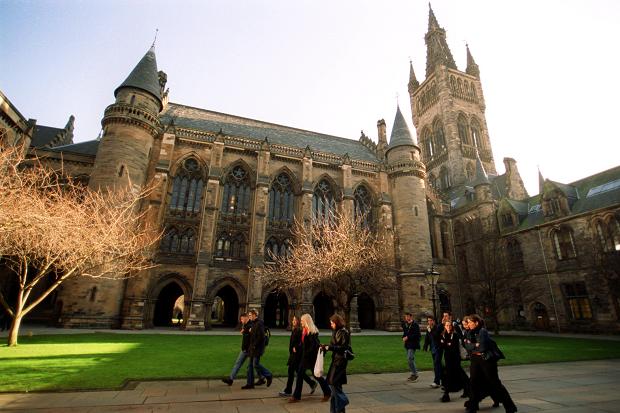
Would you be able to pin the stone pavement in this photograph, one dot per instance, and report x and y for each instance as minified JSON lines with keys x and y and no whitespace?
{"x":575,"y":387}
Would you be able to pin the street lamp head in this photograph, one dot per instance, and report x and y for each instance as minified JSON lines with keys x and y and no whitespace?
{"x":432,"y":276}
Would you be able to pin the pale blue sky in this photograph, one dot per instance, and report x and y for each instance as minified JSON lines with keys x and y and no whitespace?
{"x":548,"y":68}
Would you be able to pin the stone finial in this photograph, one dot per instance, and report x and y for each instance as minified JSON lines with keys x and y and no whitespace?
{"x":308,"y":152}
{"x":472,"y":67}
{"x":346,"y":159}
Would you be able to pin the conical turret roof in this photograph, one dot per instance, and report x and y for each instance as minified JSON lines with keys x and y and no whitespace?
{"x":400,"y":132}
{"x":144,"y":76}
{"x":413,"y":82}
{"x":481,"y":175}
{"x":472,"y":67}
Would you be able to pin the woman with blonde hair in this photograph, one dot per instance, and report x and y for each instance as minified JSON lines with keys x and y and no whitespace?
{"x":309,"y":350}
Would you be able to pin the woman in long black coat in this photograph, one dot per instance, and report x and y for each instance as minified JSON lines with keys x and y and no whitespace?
{"x":294,"y":358}
{"x":309,"y":351}
{"x":337,"y":373}
{"x":454,"y":377}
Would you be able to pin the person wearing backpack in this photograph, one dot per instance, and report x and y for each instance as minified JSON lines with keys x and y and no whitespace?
{"x":256,"y":349}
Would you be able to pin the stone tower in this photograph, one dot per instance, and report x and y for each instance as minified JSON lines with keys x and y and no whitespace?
{"x":449,"y":114}
{"x":130,"y":126}
{"x":406,"y":174}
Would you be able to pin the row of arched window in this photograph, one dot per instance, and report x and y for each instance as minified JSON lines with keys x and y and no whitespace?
{"x":443,"y":181}
{"x":470,"y":133}
{"x":433,"y":140}
{"x":427,"y":98}
{"x":463,"y":88}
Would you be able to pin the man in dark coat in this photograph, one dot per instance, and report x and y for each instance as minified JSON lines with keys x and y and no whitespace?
{"x":256,"y":348}
{"x":431,"y":340}
{"x":411,"y":340}
{"x":245,"y":344}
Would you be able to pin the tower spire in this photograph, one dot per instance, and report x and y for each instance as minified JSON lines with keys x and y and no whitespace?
{"x":472,"y":67}
{"x":413,"y":82}
{"x":155,"y":39}
{"x":144,"y":76}
{"x":541,"y":182}
{"x":437,"y":50}
{"x":481,"y":174}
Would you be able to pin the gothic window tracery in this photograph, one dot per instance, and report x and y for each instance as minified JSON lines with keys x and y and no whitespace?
{"x":444,"y":178}
{"x":237,"y":195}
{"x":362,"y":206}
{"x":281,"y":201}
{"x":427,"y":143}
{"x":439,"y":137}
{"x":178,"y":241}
{"x":231,"y":246}
{"x":463,"y":130}
{"x":277,"y":248}
{"x":608,"y":234}
{"x":563,"y":243}
{"x":476,"y":134}
{"x":187,"y":188}
{"x":323,"y":203}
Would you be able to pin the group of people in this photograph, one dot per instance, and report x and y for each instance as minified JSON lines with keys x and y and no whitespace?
{"x":304,"y":348}
{"x":449,"y":343}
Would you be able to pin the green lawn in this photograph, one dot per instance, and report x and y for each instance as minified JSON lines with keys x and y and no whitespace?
{"x":88,"y":361}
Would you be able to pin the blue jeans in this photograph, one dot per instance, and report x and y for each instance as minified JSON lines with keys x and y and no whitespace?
{"x":238,"y":363}
{"x":260,"y":370}
{"x":437,"y":354}
{"x":339,"y":400}
{"x":411,"y":361}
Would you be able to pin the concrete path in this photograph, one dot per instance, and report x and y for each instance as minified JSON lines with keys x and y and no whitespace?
{"x":575,"y":387}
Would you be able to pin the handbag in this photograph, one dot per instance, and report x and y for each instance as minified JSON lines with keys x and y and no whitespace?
{"x":318,"y":365}
{"x":349,"y":354}
{"x":493,"y":353}
{"x":463,"y":351}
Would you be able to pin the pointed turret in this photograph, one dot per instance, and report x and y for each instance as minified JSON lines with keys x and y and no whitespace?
{"x":472,"y":67}
{"x":413,"y":82}
{"x":481,"y":175}
{"x":400,"y":132}
{"x":541,"y":182}
{"x":144,"y":77}
{"x":437,"y":50}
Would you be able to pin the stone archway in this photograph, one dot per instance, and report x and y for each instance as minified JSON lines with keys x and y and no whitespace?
{"x":366,"y":312}
{"x":275,"y":314}
{"x":165,"y":305}
{"x":323,"y":309}
{"x":224,"y":311}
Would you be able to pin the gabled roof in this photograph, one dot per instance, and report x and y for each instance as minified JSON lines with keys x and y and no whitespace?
{"x":44,"y":135}
{"x":82,"y":148}
{"x":210,"y":121}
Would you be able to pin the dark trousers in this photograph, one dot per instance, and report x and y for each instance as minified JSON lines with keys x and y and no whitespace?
{"x":339,"y":400}
{"x":301,"y":372}
{"x":292,"y":371}
{"x":484,"y":379}
{"x":437,"y":369}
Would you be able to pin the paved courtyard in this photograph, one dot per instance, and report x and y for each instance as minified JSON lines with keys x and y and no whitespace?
{"x":588,"y":387}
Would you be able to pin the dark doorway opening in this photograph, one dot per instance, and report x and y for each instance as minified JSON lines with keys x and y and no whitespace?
{"x":323,"y":309}
{"x":276,"y":310}
{"x":225,"y":308}
{"x":541,"y":318}
{"x":366,"y":312}
{"x":444,"y":302}
{"x":164,"y":307}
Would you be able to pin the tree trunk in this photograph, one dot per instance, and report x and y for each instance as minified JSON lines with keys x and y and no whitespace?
{"x":14,"y":331}
{"x":354,"y":324}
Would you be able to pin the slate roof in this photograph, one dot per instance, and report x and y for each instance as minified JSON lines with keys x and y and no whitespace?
{"x":144,"y":76}
{"x":209,"y":121}
{"x":44,"y":135}
{"x":82,"y":148}
{"x":400,"y":132}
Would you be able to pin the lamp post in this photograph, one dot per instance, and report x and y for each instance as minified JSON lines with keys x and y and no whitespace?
{"x":432,"y":276}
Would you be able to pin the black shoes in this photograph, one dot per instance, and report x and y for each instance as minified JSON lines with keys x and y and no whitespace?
{"x":227,"y":380}
{"x":247,"y":386}
{"x":445,"y":398}
{"x":269,"y":379}
{"x":260,"y":382}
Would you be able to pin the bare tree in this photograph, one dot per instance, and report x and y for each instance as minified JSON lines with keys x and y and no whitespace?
{"x":341,"y":256}
{"x":52,"y":227}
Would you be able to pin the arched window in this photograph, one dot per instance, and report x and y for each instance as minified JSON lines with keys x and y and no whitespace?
{"x":187,"y":188}
{"x":608,"y":234}
{"x":237,"y":194}
{"x":476,"y":135}
{"x":600,"y":232}
{"x":432,"y":180}
{"x":428,"y":143}
{"x":444,"y":177}
{"x":515,"y":255}
{"x":277,"y":248}
{"x":564,"y":243}
{"x":281,"y":201}
{"x":463,"y":130}
{"x":178,"y":241}
{"x":443,"y":228}
{"x":323,"y":203}
{"x":230,"y":247}
{"x":362,"y":206}
{"x":439,"y":137}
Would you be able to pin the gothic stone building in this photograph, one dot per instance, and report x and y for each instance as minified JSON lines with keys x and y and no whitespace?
{"x":228,"y":189}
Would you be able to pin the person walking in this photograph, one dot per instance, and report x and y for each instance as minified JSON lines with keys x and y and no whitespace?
{"x":454,"y":377}
{"x":310,"y":349}
{"x":243,"y":354}
{"x":432,"y":341}
{"x":294,"y":358}
{"x":337,"y":373}
{"x":411,"y":341}
{"x":256,"y":348}
{"x":483,"y":367}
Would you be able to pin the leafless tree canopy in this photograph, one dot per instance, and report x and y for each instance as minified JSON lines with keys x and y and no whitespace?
{"x":53,"y":226}
{"x":341,"y":256}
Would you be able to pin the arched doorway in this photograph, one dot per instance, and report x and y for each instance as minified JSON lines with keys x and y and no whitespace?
{"x":444,"y":302}
{"x":541,"y":318}
{"x":225,"y":308}
{"x":276,"y":310}
{"x":366,"y":312}
{"x":165,"y":305}
{"x":323,"y":309}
